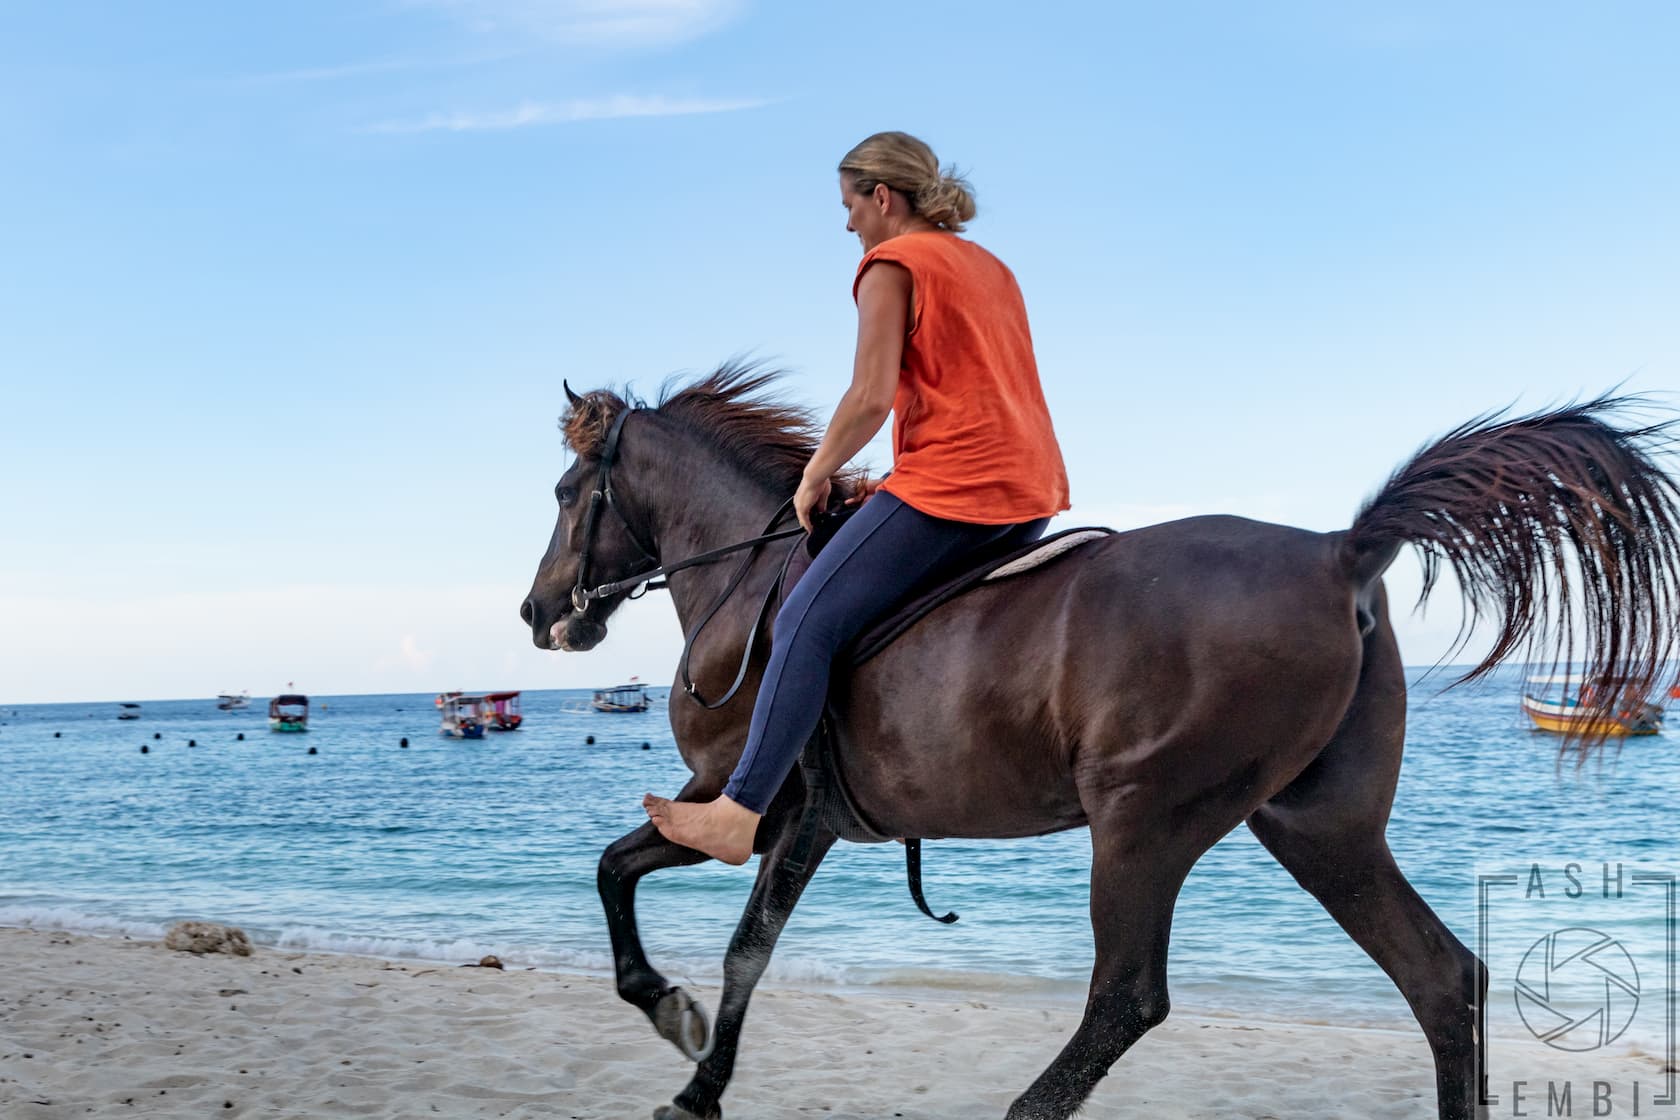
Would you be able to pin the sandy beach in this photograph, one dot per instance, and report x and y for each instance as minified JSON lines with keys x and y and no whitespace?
{"x":104,"y":1027}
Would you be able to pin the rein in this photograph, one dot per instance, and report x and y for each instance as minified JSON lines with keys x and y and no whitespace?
{"x":822,"y":799}
{"x":583,"y":594}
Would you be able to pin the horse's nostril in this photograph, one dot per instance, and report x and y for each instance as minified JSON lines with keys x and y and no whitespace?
{"x":527,"y":612}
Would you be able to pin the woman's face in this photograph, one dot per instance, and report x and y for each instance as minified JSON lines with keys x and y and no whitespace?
{"x":866,"y":214}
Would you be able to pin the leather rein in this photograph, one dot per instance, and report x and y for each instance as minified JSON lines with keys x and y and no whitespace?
{"x":821,"y":798}
{"x":657,"y":578}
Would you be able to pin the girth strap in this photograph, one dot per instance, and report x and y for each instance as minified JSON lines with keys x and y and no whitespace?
{"x":913,"y":865}
{"x":829,"y":806}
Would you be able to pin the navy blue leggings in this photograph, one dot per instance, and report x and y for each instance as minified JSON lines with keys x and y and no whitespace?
{"x":883,"y":552}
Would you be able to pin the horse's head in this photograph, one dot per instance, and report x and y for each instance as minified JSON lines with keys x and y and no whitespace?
{"x":594,"y":540}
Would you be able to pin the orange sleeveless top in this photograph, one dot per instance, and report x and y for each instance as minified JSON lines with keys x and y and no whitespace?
{"x":971,"y":436}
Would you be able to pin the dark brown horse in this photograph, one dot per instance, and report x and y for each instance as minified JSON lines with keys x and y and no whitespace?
{"x":1159,"y":686}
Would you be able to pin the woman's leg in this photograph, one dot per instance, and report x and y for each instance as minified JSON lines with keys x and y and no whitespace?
{"x":877,"y":557}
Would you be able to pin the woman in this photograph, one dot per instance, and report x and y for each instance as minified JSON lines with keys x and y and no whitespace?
{"x":943,"y":345}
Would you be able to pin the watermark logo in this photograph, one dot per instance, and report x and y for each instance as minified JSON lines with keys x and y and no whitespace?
{"x":1582,"y":963}
{"x":1577,"y":989}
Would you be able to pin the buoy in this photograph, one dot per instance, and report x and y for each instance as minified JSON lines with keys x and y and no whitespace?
{"x":192,"y":742}
{"x":55,"y":734}
{"x":144,"y":749}
{"x":157,"y":734}
{"x":240,"y":736}
{"x":403,"y":743}
{"x":311,"y":750}
{"x":589,"y":740}
{"x":646,"y":747}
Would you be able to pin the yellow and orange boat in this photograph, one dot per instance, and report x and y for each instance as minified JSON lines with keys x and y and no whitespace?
{"x":1570,"y":704}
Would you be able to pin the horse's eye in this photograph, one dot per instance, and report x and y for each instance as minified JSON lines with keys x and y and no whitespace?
{"x":565,"y":494}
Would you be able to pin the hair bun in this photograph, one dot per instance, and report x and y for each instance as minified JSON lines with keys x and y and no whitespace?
{"x":908,"y":166}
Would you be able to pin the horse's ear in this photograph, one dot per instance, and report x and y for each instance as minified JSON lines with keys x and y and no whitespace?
{"x":588,"y":419}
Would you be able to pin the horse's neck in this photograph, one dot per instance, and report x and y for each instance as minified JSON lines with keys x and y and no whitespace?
{"x":708,"y":504}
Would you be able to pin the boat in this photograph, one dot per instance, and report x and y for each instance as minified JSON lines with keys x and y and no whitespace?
{"x":128,"y":711}
{"x":464,"y":717}
{"x":233,"y":702}
{"x":1568,"y":703}
{"x":630,"y":697}
{"x":502,"y":711}
{"x":288,"y":713}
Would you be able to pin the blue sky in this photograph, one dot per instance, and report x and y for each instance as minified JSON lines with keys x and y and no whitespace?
{"x":287,"y":293}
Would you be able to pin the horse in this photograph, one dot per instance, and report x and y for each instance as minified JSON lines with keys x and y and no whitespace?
{"x":1158,"y":686}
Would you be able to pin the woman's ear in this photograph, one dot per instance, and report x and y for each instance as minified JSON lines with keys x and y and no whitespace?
{"x":882,"y":196}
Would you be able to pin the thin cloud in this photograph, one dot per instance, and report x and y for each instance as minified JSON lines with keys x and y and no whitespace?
{"x":371,"y":67}
{"x":626,"y":23}
{"x":532,"y":113}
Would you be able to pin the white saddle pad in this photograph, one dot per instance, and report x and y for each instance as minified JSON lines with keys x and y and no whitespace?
{"x":1045,"y":554}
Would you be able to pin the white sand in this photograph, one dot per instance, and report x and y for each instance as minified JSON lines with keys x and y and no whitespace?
{"x":97,"y":1027}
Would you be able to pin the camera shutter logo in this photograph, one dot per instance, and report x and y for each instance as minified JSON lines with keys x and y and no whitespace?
{"x":1577,"y":989}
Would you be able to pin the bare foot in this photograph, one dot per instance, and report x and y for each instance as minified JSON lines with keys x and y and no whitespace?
{"x":722,"y":829}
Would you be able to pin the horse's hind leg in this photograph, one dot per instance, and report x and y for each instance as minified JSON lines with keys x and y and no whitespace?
{"x":1327,"y":829}
{"x":774,"y":895}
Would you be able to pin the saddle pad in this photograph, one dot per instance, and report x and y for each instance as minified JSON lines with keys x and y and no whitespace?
{"x":881,"y":633}
{"x":1046,"y":552}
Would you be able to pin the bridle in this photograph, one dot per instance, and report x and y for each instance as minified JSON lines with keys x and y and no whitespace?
{"x":821,"y":800}
{"x":649,"y":579}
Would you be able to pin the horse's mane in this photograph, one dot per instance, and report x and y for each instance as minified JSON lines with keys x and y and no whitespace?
{"x":733,"y":408}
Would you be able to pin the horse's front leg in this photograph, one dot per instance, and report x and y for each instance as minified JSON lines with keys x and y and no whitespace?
{"x":775,"y":893}
{"x":673,"y":1013}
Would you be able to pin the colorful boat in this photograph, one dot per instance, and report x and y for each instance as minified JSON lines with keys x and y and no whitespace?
{"x":463,"y":716}
{"x":502,"y":711}
{"x":1569,"y":704}
{"x":289,"y":712}
{"x":630,"y":697}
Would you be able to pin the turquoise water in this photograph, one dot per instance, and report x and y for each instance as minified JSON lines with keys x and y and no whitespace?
{"x":449,"y":850}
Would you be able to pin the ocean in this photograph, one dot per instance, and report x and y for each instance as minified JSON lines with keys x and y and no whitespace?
{"x":450,"y":850}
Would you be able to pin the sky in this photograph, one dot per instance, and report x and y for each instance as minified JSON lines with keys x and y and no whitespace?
{"x":287,"y":292}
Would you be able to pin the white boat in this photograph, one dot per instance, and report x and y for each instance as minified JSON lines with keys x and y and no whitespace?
{"x":128,"y":711}
{"x":630,"y":697}
{"x":233,"y":702}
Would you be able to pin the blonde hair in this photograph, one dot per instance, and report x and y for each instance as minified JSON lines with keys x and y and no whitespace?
{"x":908,"y":166}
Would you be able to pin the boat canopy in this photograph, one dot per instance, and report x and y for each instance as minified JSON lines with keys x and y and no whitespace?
{"x":291,"y":698}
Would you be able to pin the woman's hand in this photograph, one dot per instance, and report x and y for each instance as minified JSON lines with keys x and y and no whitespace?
{"x":865,"y":488}
{"x":811,"y":496}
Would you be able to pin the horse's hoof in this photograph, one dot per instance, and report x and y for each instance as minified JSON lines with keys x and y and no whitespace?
{"x":678,"y":1112}
{"x":680,"y":1020}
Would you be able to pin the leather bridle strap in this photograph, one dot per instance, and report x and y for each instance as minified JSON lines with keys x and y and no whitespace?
{"x":603,"y":493}
{"x":752,"y":634}
{"x":614,"y":588}
{"x":583,"y":594}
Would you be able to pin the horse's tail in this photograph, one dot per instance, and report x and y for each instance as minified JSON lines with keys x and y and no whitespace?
{"x":1560,"y":524}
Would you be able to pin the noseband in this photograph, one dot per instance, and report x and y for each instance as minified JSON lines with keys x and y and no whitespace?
{"x":583,"y":594}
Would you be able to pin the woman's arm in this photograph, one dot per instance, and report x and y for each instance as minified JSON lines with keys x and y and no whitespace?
{"x":883,"y":316}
